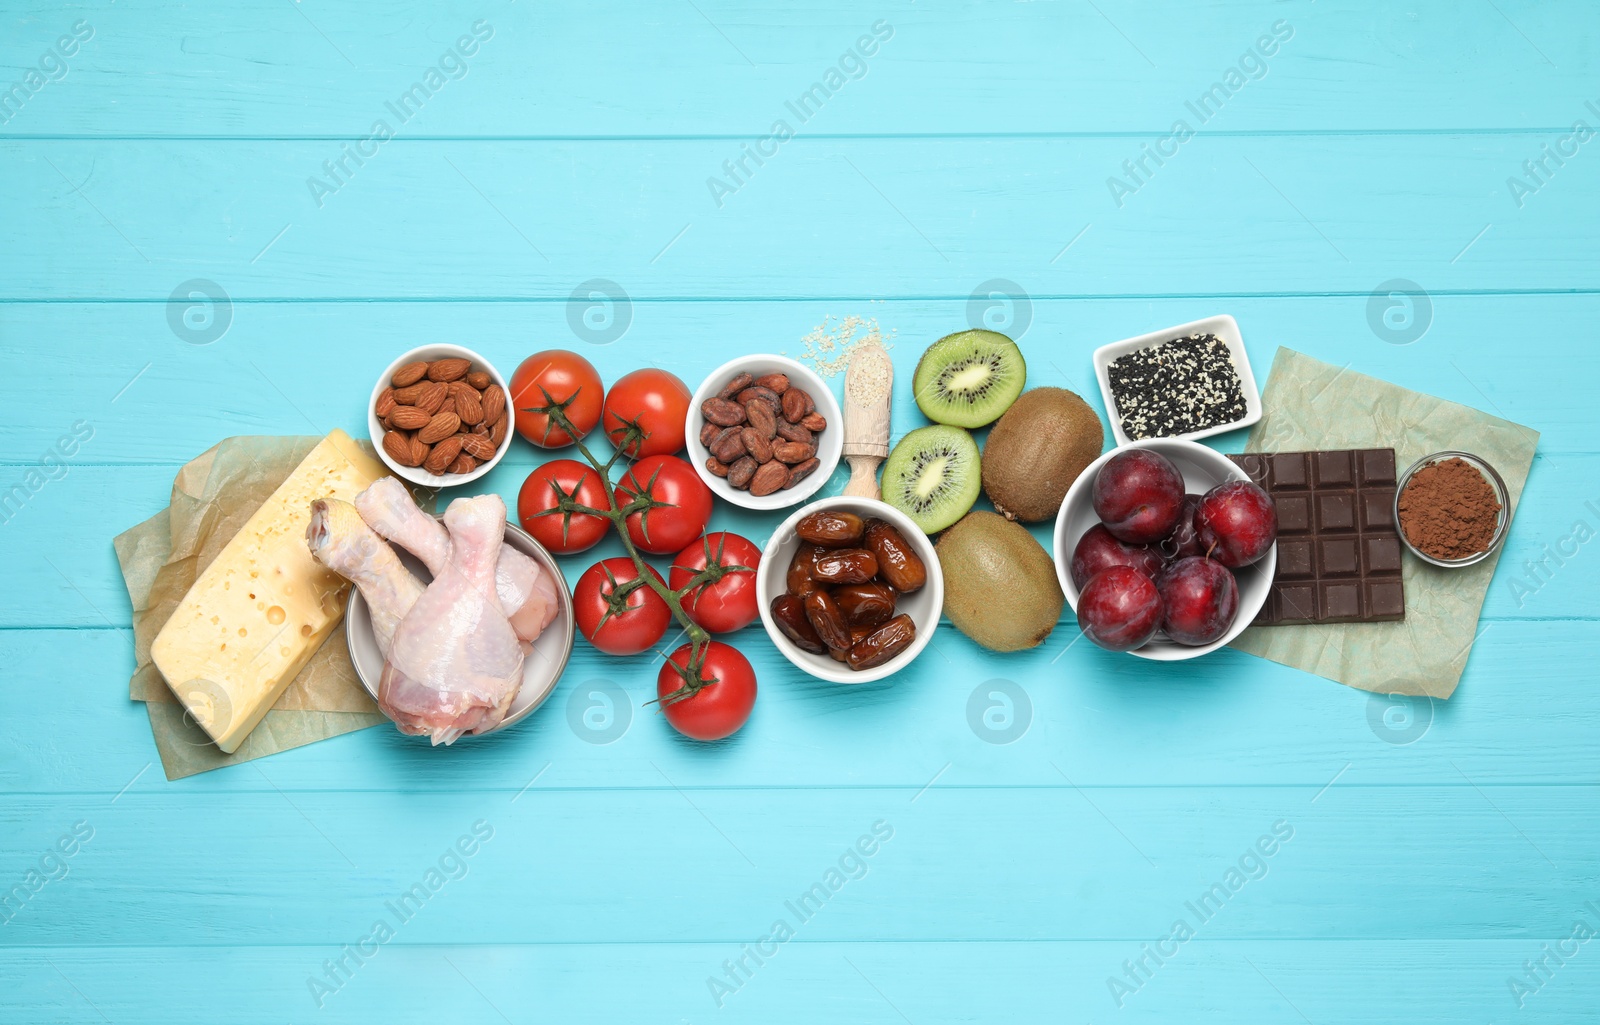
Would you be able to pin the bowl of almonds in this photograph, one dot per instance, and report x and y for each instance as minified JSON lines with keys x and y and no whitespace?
{"x":439,"y":416}
{"x":764,"y":432}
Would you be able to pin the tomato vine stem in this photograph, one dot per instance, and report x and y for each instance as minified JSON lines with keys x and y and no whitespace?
{"x":632,"y":435}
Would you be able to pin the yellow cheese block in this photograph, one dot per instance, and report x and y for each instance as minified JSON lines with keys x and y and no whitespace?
{"x":257,"y":614}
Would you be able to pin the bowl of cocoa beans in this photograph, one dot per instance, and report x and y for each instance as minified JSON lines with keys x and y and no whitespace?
{"x":849,"y":589}
{"x":764,"y":432}
{"x":439,"y":416}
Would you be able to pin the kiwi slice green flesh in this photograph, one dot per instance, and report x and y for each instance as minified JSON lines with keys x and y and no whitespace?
{"x":933,"y":476}
{"x":969,"y":378}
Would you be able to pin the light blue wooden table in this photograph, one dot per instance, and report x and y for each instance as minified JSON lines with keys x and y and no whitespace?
{"x":1435,"y":852}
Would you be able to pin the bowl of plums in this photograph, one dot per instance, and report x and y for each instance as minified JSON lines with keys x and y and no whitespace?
{"x":1165,"y":549}
{"x":850,"y":590}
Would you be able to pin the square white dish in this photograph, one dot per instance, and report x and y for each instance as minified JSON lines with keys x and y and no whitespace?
{"x":1227,"y":331}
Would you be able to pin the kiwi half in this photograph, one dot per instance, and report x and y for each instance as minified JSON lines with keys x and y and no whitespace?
{"x":969,"y":378}
{"x":933,"y":476}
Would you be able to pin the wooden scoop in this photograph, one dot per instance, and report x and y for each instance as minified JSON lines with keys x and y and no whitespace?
{"x":867,"y":383}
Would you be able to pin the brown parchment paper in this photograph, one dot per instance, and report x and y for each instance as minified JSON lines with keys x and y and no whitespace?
{"x":212,"y":497}
{"x":1308,"y":405}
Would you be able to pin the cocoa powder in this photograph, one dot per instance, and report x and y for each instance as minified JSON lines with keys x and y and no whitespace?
{"x":1448,"y":510}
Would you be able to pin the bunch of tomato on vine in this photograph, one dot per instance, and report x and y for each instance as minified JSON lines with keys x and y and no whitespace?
{"x":659,"y":506}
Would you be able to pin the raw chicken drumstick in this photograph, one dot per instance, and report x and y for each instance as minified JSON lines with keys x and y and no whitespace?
{"x":341,"y":540}
{"x":455,"y":663}
{"x":525,"y":590}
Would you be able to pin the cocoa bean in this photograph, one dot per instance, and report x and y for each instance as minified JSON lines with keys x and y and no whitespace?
{"x":791,"y":452}
{"x":794,"y":432}
{"x":722,"y":412}
{"x":727,"y":445}
{"x":735,"y":386}
{"x":800,"y":471}
{"x":708,"y":431}
{"x":742,"y":470}
{"x":766,"y":395}
{"x":757,"y":444}
{"x":769,"y":478}
{"x":717,"y":467}
{"x":761,"y":418}
{"x":794,"y":405}
{"x":779,"y":383}
{"x":814,"y":422}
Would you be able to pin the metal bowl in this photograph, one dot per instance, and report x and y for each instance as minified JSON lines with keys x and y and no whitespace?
{"x":540,"y":670}
{"x":1502,"y":524}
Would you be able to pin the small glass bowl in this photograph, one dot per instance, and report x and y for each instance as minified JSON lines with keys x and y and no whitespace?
{"x":1502,"y":524}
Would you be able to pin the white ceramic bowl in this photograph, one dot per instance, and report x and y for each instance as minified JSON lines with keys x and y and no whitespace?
{"x":1203,"y":469}
{"x":540,"y":669}
{"x":923,"y":606}
{"x":829,"y":442}
{"x":1227,"y":331}
{"x":416,"y":474}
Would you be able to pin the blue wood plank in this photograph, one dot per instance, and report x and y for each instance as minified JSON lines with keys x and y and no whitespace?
{"x":1373,"y":982}
{"x":1246,"y":215}
{"x":1351,"y":863}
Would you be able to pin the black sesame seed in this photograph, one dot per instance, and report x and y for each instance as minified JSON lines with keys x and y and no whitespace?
{"x":1187,"y":384}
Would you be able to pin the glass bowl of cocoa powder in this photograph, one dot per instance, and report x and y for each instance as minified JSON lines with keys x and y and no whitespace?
{"x":1452,"y":509}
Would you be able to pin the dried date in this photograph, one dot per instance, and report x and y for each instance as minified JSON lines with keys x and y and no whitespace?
{"x":827,"y":619}
{"x":789,"y":612}
{"x":899,"y":566}
{"x":882,"y":644}
{"x":845,"y":566}
{"x":831,"y":528}
{"x":865,"y":605}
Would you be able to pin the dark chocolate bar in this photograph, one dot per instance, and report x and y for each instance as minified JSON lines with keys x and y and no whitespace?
{"x":1338,"y":547}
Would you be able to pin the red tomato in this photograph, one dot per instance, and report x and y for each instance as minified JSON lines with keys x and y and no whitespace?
{"x":537,"y":506}
{"x":684,"y":510}
{"x":552,"y":377}
{"x":618,"y":625}
{"x":718,"y":708}
{"x":658,"y":402}
{"x":728,"y":604}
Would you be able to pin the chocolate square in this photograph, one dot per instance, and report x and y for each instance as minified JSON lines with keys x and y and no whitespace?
{"x":1385,"y":600}
{"x":1333,"y":469}
{"x":1380,"y":555}
{"x":1295,"y":560}
{"x":1288,"y":471}
{"x":1336,"y":512}
{"x":1377,"y":466}
{"x":1339,"y":601}
{"x":1377,"y":509}
{"x":1297,"y":602}
{"x":1294,"y":514}
{"x":1338,"y":548}
{"x":1338,"y":557}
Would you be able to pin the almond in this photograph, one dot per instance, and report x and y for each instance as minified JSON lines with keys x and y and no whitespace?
{"x":463,"y":464}
{"x":479,"y":380}
{"x":447,"y":406}
{"x":468,"y":406}
{"x":494,"y":403}
{"x":439,"y":428}
{"x":430,"y":398}
{"x":453,"y":368}
{"x":409,"y":418}
{"x":409,"y":374}
{"x":497,"y":431}
{"x":398,"y":447}
{"x":385,"y":404}
{"x":409,"y":395}
{"x":419,"y":451}
{"x":443,"y":454}
{"x":477,"y":445}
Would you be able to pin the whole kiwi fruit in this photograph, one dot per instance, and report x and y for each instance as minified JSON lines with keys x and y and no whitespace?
{"x":1039,"y":447}
{"x":1000,"y":588}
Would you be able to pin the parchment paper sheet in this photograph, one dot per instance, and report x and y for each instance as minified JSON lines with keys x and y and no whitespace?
{"x":1309,"y":405}
{"x":212,"y":497}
